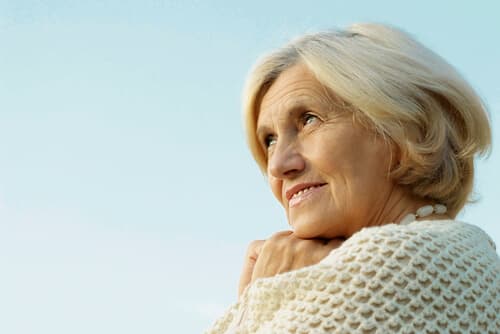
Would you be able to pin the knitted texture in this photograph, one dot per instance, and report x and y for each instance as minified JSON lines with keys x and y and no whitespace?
{"x":425,"y":277}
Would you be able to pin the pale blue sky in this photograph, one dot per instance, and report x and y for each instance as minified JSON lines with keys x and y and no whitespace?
{"x":127,"y":194}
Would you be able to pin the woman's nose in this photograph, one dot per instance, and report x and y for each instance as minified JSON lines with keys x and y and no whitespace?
{"x":286,"y":161}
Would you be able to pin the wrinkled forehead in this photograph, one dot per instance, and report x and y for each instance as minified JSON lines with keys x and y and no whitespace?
{"x":296,"y":88}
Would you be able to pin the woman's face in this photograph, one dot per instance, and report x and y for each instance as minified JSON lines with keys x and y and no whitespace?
{"x":330,"y":175}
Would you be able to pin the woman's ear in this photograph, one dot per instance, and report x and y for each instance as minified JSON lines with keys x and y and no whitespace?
{"x":394,"y":157}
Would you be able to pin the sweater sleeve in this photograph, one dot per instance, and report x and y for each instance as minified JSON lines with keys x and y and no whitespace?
{"x":426,"y":277}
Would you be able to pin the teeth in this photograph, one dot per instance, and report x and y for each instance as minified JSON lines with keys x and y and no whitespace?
{"x":303,"y":191}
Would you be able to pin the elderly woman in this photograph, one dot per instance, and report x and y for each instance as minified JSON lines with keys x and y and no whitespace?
{"x":368,"y":141}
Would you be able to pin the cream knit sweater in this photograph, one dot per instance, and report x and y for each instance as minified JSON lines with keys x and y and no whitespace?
{"x":424,"y":277}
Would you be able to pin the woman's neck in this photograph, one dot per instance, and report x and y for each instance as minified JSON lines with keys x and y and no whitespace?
{"x":399,"y":204}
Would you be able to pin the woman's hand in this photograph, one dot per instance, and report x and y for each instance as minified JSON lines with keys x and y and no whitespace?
{"x":281,"y":253}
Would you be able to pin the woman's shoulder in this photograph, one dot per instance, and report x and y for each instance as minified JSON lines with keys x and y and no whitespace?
{"x":429,"y":238}
{"x":450,"y":265}
{"x":430,"y":231}
{"x":436,"y":228}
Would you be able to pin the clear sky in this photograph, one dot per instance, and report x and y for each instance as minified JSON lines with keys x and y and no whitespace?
{"x":127,"y":194}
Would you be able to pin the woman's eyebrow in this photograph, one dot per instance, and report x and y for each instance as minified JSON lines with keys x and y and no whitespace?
{"x":298,"y":108}
{"x":293,"y":110}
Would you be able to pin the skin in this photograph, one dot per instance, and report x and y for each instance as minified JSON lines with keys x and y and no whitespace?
{"x":308,"y":139}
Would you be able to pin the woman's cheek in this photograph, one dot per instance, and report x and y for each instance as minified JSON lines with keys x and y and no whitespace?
{"x":276,"y":187}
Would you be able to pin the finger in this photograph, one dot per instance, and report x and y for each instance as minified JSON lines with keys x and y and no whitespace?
{"x":282,"y":234}
{"x":249,"y":264}
{"x":276,"y":256}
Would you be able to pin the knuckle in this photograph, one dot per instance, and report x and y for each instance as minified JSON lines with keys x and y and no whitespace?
{"x":279,"y":242}
{"x":280,"y":235}
{"x":269,"y":245}
{"x":254,"y":245}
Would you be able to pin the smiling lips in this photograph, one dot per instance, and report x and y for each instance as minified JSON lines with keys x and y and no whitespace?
{"x":299,"y":192}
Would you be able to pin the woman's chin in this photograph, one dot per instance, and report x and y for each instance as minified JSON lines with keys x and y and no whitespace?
{"x":305,"y":231}
{"x":308,"y":230}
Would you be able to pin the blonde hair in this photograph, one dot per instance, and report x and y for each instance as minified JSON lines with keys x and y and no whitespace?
{"x":404,"y":91}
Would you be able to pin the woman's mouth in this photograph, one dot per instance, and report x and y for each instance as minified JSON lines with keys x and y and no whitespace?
{"x":305,"y":193}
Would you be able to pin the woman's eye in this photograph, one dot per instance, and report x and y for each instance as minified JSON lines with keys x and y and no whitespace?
{"x":308,"y":118}
{"x":270,"y":140}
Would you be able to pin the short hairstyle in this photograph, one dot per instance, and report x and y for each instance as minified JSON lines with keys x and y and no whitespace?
{"x":403,"y":90}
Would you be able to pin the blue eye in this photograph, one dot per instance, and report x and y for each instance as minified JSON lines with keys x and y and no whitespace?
{"x":270,"y":140}
{"x":308,"y":118}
